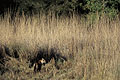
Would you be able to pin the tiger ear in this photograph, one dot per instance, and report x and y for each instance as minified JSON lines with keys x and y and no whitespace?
{"x":43,"y":59}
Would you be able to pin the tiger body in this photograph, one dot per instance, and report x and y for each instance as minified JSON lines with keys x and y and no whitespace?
{"x":37,"y":66}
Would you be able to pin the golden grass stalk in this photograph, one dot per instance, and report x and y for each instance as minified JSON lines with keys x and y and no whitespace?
{"x":94,"y":46}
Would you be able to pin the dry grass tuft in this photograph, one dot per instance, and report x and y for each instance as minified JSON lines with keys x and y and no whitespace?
{"x":93,"y":50}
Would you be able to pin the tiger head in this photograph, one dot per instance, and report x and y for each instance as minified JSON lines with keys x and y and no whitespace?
{"x":42,"y":61}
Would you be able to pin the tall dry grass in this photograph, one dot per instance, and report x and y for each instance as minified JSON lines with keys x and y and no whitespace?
{"x":92,"y":48}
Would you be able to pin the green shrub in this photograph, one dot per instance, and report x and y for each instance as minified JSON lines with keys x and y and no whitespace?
{"x":65,"y":7}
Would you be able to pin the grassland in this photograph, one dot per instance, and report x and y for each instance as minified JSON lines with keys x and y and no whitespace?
{"x":92,"y":48}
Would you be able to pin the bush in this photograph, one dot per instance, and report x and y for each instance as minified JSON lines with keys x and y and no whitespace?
{"x":59,"y":7}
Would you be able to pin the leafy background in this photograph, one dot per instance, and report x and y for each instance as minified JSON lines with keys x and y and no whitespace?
{"x":60,"y":7}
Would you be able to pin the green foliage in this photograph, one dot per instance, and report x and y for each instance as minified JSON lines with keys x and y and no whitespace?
{"x":94,"y":5}
{"x":30,"y":6}
{"x":111,"y":12}
{"x":56,"y":6}
{"x":109,"y":7}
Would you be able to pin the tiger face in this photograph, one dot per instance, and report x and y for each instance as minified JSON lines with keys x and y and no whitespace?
{"x":42,"y":61}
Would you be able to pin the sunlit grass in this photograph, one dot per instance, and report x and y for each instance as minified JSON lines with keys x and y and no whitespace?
{"x":93,"y":50}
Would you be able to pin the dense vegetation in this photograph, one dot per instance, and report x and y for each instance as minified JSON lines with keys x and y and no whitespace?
{"x":90,"y":49}
{"x":92,"y":52}
{"x":110,"y":7}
